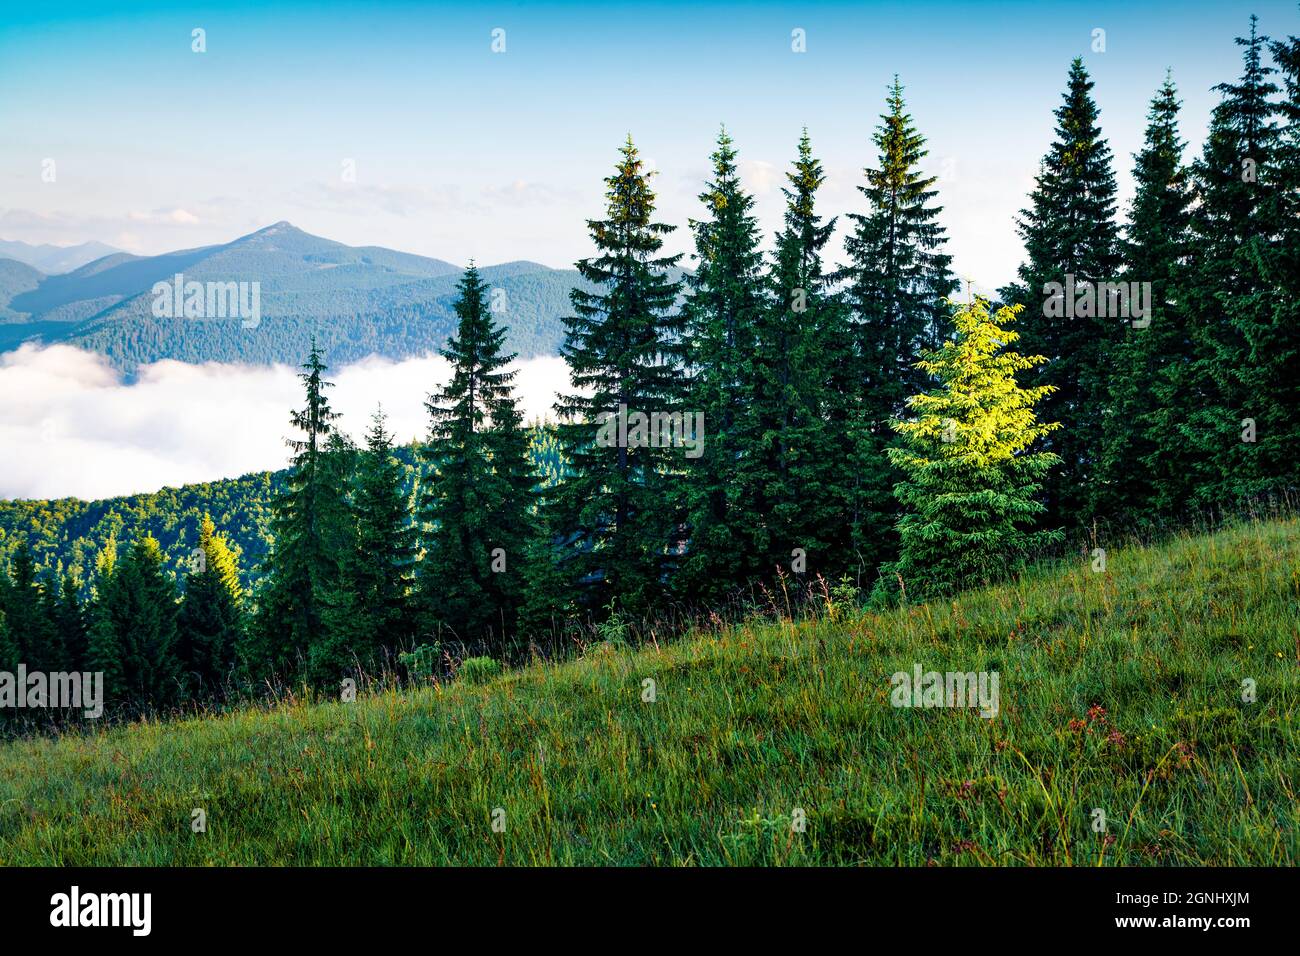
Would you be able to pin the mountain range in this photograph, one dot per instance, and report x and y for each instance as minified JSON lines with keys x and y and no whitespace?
{"x":354,"y":301}
{"x":54,"y":259}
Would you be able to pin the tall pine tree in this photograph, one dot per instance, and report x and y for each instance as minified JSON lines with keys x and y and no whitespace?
{"x":724,"y":487}
{"x":10,"y":656}
{"x":28,"y":612}
{"x":1235,"y":426}
{"x":371,"y":614}
{"x":134,"y":634}
{"x":1278,"y":348}
{"x":802,"y":355}
{"x":211,"y":620}
{"x":623,"y":345}
{"x":547,"y":604}
{"x":1071,"y":243}
{"x":1144,"y":467}
{"x":303,"y":563}
{"x":896,"y":282}
{"x":479,"y":490}
{"x":70,"y":619}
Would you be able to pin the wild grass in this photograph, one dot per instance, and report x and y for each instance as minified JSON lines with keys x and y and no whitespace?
{"x":1121,"y":691}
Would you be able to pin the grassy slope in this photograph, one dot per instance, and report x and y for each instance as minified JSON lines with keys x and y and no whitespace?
{"x":750,"y":723}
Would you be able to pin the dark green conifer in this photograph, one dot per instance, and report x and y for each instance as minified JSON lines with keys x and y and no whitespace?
{"x":724,"y":487}
{"x":305,"y":551}
{"x":896,"y":282}
{"x":623,"y":346}
{"x":211,"y":620}
{"x":478,"y":493}
{"x":1071,"y":245}
{"x":1144,"y":468}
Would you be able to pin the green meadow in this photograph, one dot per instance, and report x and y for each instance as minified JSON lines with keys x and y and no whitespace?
{"x":1125,"y":735}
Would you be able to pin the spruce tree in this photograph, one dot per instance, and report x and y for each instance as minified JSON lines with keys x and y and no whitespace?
{"x":6,"y":588}
{"x":330,"y":653}
{"x":896,"y":282}
{"x":970,"y":491}
{"x":1279,"y":376}
{"x":372,"y":613}
{"x":210,"y":624}
{"x":516,"y":506}
{"x":1144,"y":467}
{"x":803,"y":347}
{"x":28,"y":612}
{"x":623,"y":345}
{"x":303,"y":563}
{"x":150,"y":641}
{"x":724,"y":487}
{"x":546,"y":604}
{"x":10,"y":656}
{"x":104,"y":643}
{"x":476,"y":496}
{"x":70,"y":621}
{"x":133,"y":639}
{"x":1231,"y":295}
{"x":104,"y":610}
{"x":1071,"y":245}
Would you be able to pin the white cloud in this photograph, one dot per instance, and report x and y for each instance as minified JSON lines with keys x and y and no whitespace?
{"x":71,"y":426}
{"x":522,"y":192}
{"x":363,"y":198}
{"x":178,"y":217}
{"x":759,"y":177}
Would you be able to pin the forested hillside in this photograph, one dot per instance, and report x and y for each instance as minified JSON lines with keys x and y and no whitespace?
{"x":66,"y":535}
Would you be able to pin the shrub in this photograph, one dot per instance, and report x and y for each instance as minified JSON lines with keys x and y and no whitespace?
{"x":422,"y":662}
{"x":478,"y":670}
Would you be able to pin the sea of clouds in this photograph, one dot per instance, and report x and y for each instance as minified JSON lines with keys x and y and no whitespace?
{"x":72,"y":426}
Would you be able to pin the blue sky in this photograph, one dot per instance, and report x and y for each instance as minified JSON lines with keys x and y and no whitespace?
{"x":460,"y":152}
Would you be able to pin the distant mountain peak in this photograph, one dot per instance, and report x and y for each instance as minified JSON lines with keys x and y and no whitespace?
{"x":278,"y":230}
